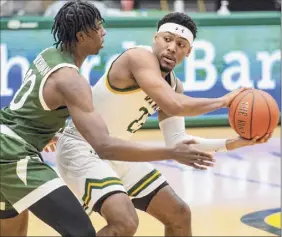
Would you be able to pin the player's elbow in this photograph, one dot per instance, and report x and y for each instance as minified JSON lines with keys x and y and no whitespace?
{"x":99,"y":145}
{"x":102,"y":150}
{"x":105,"y":149}
{"x":184,"y":109}
{"x":172,"y":109}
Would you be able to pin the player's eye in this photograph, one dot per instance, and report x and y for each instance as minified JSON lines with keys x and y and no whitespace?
{"x":167,"y":39}
{"x":181,"y":45}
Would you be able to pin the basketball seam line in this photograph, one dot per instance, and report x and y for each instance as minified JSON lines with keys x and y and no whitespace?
{"x":251,"y":123}
{"x":268,"y":113}
{"x":235,"y":128}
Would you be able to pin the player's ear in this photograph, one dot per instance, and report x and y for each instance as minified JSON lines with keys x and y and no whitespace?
{"x":155,"y":37}
{"x":189,"y":51}
{"x":80,"y":36}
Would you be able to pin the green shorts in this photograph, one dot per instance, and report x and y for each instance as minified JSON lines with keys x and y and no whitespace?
{"x":24,"y":177}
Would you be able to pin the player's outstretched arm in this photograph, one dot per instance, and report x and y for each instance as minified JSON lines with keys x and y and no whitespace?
{"x":145,"y":68}
{"x":78,"y":98}
{"x":173,"y":130}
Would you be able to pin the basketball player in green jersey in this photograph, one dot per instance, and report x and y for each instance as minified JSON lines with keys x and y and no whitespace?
{"x":52,"y":90}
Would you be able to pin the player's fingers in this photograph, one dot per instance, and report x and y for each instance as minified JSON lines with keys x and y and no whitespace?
{"x":204,"y":163}
{"x":53,"y":147}
{"x":254,"y":140}
{"x":198,"y":167}
{"x":202,"y":155}
{"x":196,"y":158}
{"x":269,"y":136}
{"x":46,"y":149}
{"x":189,"y":142}
{"x":55,"y":139}
{"x":265,"y":138}
{"x":191,"y":161}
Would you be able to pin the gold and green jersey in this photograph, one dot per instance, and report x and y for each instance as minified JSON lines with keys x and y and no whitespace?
{"x":28,"y":115}
{"x":123,"y":110}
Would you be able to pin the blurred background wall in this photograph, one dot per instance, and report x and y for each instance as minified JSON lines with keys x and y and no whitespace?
{"x":238,"y":44}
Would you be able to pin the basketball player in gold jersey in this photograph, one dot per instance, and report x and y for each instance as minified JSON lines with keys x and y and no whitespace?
{"x":137,"y":84}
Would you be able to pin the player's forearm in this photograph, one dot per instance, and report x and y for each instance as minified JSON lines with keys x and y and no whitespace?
{"x":197,"y":106}
{"x":120,"y":150}
{"x":173,"y":130}
{"x":94,"y":130}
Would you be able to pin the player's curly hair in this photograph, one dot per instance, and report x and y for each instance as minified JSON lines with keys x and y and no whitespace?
{"x":181,"y":19}
{"x":73,"y":17}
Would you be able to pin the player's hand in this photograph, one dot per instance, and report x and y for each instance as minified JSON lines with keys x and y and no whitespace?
{"x":186,"y":154}
{"x":228,"y":98}
{"x":51,"y":146}
{"x":238,"y":142}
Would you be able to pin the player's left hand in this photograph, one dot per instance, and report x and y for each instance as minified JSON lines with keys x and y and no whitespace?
{"x":51,"y":146}
{"x":229,"y":97}
{"x":238,"y":142}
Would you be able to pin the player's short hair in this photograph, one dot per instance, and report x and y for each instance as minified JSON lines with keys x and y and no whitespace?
{"x":73,"y":17}
{"x":181,"y":19}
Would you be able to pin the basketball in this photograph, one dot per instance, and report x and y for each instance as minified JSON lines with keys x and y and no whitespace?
{"x":253,"y":113}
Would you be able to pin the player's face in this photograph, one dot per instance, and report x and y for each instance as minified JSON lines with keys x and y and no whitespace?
{"x":94,"y":40}
{"x":170,"y":50}
{"x":97,"y":38}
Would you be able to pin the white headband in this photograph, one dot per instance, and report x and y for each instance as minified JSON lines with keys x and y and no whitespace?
{"x":177,"y":29}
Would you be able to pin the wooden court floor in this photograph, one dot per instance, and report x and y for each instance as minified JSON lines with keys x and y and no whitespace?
{"x":240,"y":196}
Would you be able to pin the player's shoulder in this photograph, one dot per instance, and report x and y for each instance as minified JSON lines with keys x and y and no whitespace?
{"x":48,"y":51}
{"x":145,"y":47}
{"x":68,"y":81}
{"x":65,"y":75}
{"x":140,"y":50}
{"x":67,"y":71}
{"x":141,"y":54}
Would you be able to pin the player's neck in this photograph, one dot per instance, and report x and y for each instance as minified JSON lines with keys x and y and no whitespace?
{"x":77,"y":54}
{"x":164,"y":74}
{"x":79,"y":57}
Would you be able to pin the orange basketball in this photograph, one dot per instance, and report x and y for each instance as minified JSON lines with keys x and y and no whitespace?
{"x":253,"y":113}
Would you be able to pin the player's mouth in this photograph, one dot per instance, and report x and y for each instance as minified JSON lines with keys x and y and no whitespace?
{"x":169,"y":59}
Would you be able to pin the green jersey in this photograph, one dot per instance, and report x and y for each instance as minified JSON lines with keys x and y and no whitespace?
{"x":26,"y":126}
{"x":28,"y":115}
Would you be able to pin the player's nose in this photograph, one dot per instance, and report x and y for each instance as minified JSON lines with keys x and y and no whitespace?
{"x":104,"y":32}
{"x":172,"y":47}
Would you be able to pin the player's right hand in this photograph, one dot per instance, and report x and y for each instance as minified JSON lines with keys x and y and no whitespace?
{"x":185,"y":153}
{"x":239,"y":142}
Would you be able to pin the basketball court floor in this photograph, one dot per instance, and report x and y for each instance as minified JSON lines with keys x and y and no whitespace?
{"x":240,"y":196}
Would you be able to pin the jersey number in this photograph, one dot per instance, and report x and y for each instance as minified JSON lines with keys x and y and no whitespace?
{"x":138,"y":123}
{"x":27,"y":86}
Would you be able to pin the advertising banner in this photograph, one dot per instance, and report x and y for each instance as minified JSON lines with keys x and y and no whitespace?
{"x":223,"y":58}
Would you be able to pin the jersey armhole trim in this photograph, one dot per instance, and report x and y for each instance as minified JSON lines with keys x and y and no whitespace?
{"x":42,"y":101}
{"x":175,"y":81}
{"x":113,"y":89}
{"x":121,"y":91}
